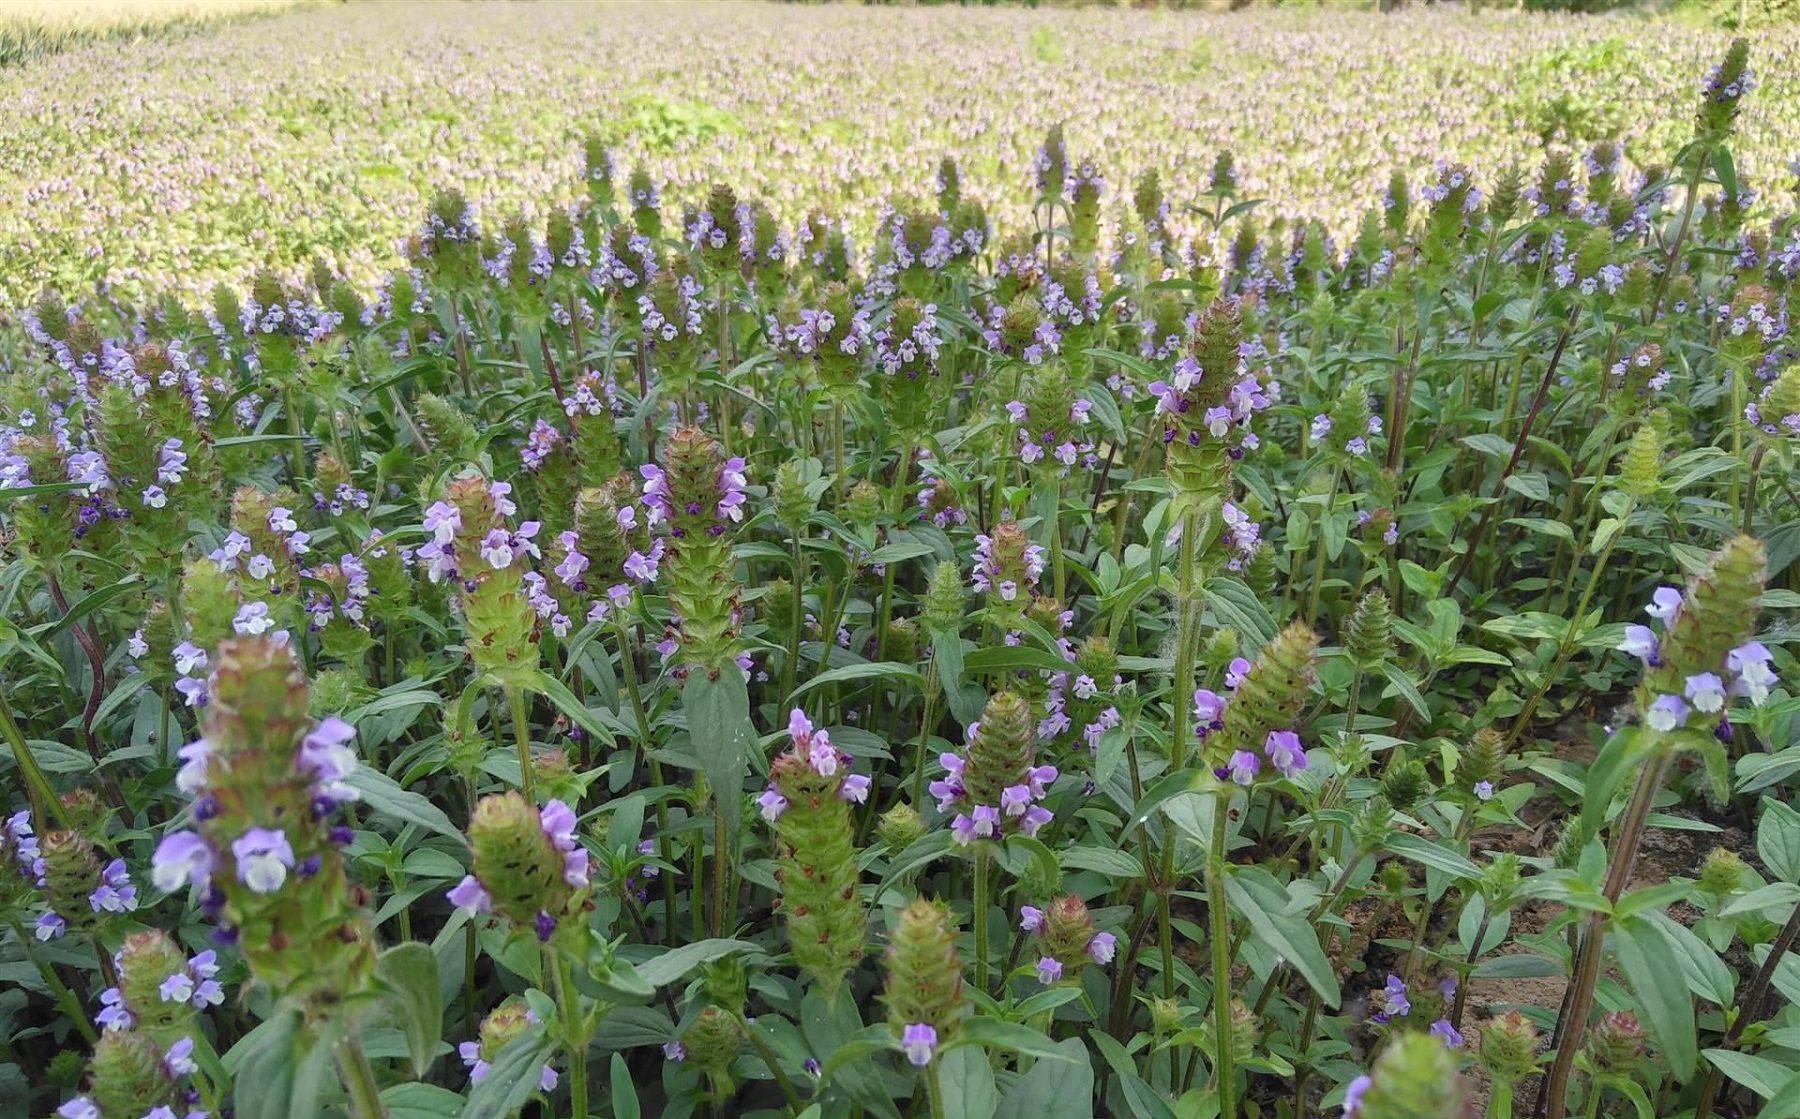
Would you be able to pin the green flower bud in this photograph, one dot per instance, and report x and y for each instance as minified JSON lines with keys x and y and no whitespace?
{"x":1096,"y":659}
{"x":1064,"y":932}
{"x":1259,"y":571}
{"x":1717,"y":614}
{"x":1371,"y":827}
{"x":903,"y":640}
{"x":1221,"y":646}
{"x":1722,"y":874}
{"x":1223,"y":179}
{"x":515,"y":861}
{"x":817,"y":872}
{"x":1166,"y":1015}
{"x":66,"y":1068}
{"x":145,"y":961}
{"x":126,"y":1075}
{"x":1615,"y":1043}
{"x":949,"y":180}
{"x":645,"y":213}
{"x":1565,"y":853}
{"x":900,"y":827}
{"x":703,"y":494}
{"x":1404,"y":784}
{"x":71,"y":874}
{"x":1722,"y":92}
{"x":1509,"y":1046}
{"x":1369,"y":633}
{"x":1414,"y":1078}
{"x":1000,"y":750}
{"x":924,"y":971}
{"x":792,"y":499}
{"x":723,"y":981}
{"x":1641,"y":468}
{"x":1270,"y":694}
{"x":944,"y":599}
{"x":1500,"y":879}
{"x":1639,"y":285}
{"x":451,"y":433}
{"x":863,"y":505}
{"x":1779,"y":401}
{"x":1398,"y":203}
{"x":1483,"y":758}
{"x":713,"y":1041}
{"x":778,"y":605}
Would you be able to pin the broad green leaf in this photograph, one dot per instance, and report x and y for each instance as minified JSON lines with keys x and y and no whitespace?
{"x":992,"y":1033}
{"x":869,"y":670}
{"x":409,"y":972}
{"x":382,"y":794}
{"x":718,"y":711}
{"x":420,"y":1101}
{"x":1778,"y":840}
{"x":966,"y":1081}
{"x":558,"y":693}
{"x":678,"y":963}
{"x":1053,"y":1089}
{"x":1649,"y":959}
{"x":1435,"y":855}
{"x":1759,"y":1074}
{"x":1265,"y":903}
{"x":623,"y":1095}
{"x":512,"y":1078}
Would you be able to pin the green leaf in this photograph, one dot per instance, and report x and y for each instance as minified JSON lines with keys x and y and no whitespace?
{"x":680,"y":962}
{"x":921,"y":852}
{"x":88,"y":603}
{"x":1545,"y":525}
{"x":992,"y":1033}
{"x":1435,"y":855}
{"x":420,"y":1101}
{"x":718,"y":711}
{"x":1103,"y":860}
{"x":1604,"y":777}
{"x":864,"y":1042}
{"x":1649,"y":959}
{"x":410,"y":973}
{"x":1238,"y":606}
{"x":1012,"y":658}
{"x":383,"y":794}
{"x":966,"y":1082}
{"x":283,"y":1073}
{"x":1402,"y":683}
{"x":1520,"y":965}
{"x":1265,"y":903}
{"x":1053,"y":1089}
{"x":1785,"y":1103}
{"x":558,"y":693}
{"x":868,"y":670}
{"x":623,"y":1092}
{"x":1017,"y":848}
{"x":1778,"y":840}
{"x":897,"y":552}
{"x":511,"y":1079}
{"x":1759,"y":1074}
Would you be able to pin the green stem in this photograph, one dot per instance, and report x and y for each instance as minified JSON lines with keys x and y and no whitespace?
{"x":981,"y":922}
{"x":1318,"y":575}
{"x":628,"y":669}
{"x":575,"y":1037}
{"x":1220,"y":934}
{"x":359,"y":1080}
{"x":71,"y":1006}
{"x":1500,"y":1102}
{"x":721,"y":864}
{"x":522,"y":736}
{"x":45,"y":805}
{"x":774,"y":1066}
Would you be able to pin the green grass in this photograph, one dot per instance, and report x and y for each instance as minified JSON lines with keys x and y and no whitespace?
{"x":36,"y":29}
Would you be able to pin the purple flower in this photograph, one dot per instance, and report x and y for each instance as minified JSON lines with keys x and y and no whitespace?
{"x":1040,"y":778}
{"x":1442,"y":1028}
{"x":656,"y":493}
{"x":1750,"y":663}
{"x":1396,"y":1004}
{"x":1208,"y":705}
{"x":113,"y":1013}
{"x":1035,"y":817}
{"x":1243,"y":767}
{"x":1102,"y":947}
{"x":918,"y":1041}
{"x":115,"y":894}
{"x":1015,"y":799}
{"x":672,"y":1050}
{"x":1285,"y":751}
{"x":1640,"y":642}
{"x":1664,"y":602}
{"x":1706,"y":691}
{"x":179,"y":1059}
{"x":181,"y":858}
{"x":772,"y":803}
{"x":1031,"y":918}
{"x":1484,"y":790}
{"x":1353,"y":1093}
{"x":1321,"y":426}
{"x":1666,"y":712}
{"x":50,"y":926}
{"x":1234,"y":672}
{"x":325,"y":752}
{"x":732,"y":481}
{"x":854,"y":789}
{"x":263,"y":857}
{"x":79,"y":1108}
{"x":1049,"y":970}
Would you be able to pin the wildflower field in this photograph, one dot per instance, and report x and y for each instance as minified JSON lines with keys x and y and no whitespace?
{"x":566,"y":561}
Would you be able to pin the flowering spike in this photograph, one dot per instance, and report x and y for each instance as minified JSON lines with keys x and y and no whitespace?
{"x":924,"y":972}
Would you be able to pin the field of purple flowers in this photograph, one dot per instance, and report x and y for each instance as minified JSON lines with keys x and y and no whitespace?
{"x":642,"y":562}
{"x":170,"y":166}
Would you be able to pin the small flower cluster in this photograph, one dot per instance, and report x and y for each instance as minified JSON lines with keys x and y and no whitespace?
{"x":1052,"y":442}
{"x":1008,"y":565}
{"x":489,"y":833}
{"x":993,"y":784}
{"x":507,"y":1022}
{"x":822,"y":758}
{"x":1066,"y":940}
